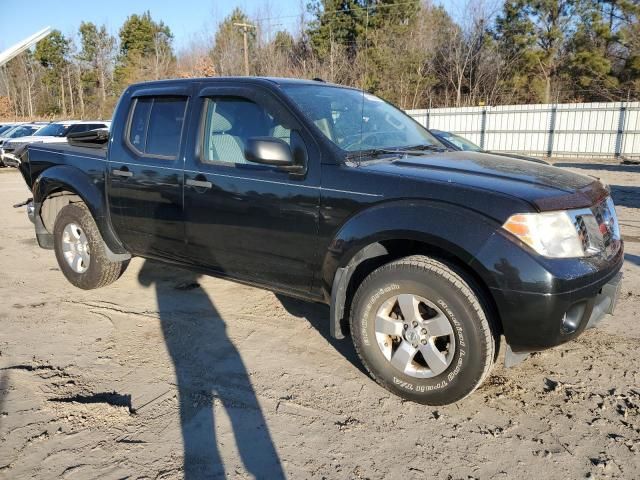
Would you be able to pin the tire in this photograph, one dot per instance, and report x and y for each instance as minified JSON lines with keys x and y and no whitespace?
{"x":95,"y":270}
{"x":451,"y":350}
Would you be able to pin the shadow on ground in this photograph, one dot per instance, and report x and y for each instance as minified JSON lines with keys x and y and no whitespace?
{"x":626,"y":196}
{"x":317,"y":315}
{"x":635,"y":259}
{"x":4,"y":391}
{"x":210,"y":375}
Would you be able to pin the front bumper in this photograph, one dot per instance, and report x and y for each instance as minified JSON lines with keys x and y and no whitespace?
{"x":543,"y":302}
{"x":537,"y":321}
{"x":605,"y":302}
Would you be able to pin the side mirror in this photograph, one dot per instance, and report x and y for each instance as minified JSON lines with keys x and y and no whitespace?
{"x":269,"y":151}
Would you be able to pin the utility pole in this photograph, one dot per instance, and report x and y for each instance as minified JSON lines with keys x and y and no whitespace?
{"x":245,"y":29}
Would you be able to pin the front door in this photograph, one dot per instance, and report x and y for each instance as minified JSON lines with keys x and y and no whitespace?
{"x":145,"y":177}
{"x":250,"y":221}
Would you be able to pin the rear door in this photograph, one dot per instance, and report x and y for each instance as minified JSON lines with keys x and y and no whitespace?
{"x":250,"y":221}
{"x":145,"y":174}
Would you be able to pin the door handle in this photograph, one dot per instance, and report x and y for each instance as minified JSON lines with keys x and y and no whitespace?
{"x":199,"y":183}
{"x":123,"y":172}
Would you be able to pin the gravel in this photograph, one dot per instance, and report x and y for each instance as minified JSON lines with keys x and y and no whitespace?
{"x":121,"y":382}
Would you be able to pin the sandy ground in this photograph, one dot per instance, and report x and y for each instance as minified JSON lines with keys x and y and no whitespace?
{"x":121,"y":382}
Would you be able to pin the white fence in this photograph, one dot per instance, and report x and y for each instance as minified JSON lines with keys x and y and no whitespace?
{"x":598,"y":130}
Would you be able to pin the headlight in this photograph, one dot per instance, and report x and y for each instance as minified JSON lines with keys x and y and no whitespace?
{"x":551,"y":234}
{"x":569,"y":233}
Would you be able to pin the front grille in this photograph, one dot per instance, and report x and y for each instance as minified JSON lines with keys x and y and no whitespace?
{"x":607,"y":220}
{"x":583,"y":233}
{"x":598,"y":228}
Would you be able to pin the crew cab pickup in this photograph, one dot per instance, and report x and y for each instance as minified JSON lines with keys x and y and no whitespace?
{"x":429,"y":257}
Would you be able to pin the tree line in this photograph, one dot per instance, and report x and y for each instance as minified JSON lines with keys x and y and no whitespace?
{"x":412,"y":53}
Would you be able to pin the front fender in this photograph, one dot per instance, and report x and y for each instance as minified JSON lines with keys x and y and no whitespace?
{"x":457,"y":230}
{"x":452,"y":228}
{"x":65,"y":177}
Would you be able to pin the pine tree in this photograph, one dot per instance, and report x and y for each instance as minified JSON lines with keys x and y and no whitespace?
{"x":51,"y":53}
{"x":532,"y":36}
{"x":97,"y":54}
{"x":146,"y":50}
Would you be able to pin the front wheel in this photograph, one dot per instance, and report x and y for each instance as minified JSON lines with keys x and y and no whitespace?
{"x":80,"y":250}
{"x":421,"y":331}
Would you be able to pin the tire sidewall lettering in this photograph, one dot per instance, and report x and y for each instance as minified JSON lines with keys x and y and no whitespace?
{"x":373,"y":300}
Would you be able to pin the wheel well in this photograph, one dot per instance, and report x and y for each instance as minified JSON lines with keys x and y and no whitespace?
{"x":403,"y":248}
{"x":53,"y":203}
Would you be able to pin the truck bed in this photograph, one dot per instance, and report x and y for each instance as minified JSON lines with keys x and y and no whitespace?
{"x":40,"y":156}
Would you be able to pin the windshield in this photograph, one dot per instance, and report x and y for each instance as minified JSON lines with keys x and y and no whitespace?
{"x":460,"y":142}
{"x":354,"y":121}
{"x":54,"y":130}
{"x":4,"y":129}
{"x":21,"y":131}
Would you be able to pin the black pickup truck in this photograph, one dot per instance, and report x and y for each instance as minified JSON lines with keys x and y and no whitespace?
{"x":429,"y":257}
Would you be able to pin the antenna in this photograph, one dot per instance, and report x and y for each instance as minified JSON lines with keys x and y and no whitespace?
{"x":364,"y":79}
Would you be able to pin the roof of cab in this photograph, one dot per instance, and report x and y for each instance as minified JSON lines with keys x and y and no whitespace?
{"x":80,"y":122}
{"x":255,"y":80}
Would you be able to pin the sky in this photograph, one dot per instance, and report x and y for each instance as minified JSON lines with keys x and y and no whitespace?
{"x":186,"y":18}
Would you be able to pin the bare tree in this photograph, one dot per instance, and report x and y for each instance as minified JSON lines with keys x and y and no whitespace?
{"x":163,"y":56}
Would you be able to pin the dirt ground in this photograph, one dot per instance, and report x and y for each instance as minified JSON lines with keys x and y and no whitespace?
{"x":121,"y":382}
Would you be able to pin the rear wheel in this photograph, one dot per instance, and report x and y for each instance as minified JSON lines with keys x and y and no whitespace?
{"x":421,"y":331}
{"x":80,"y":250}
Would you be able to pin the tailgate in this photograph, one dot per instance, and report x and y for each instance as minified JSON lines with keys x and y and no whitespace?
{"x":20,"y":160}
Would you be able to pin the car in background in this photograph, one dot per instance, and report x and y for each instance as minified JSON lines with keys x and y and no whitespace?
{"x":55,"y":132}
{"x":6,"y":126}
{"x":456,"y":142}
{"x":18,"y":131}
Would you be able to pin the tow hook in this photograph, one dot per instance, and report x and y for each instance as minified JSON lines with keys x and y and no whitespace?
{"x":30,"y":208}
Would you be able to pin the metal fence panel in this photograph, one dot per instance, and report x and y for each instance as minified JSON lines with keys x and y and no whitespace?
{"x":631,"y":140}
{"x":599,"y":130}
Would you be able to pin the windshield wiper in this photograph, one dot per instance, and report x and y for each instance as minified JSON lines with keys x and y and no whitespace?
{"x":410,"y":150}
{"x":423,"y":147}
{"x":373,"y":153}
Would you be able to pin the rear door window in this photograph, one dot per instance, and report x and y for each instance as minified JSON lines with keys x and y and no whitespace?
{"x":156,"y":124}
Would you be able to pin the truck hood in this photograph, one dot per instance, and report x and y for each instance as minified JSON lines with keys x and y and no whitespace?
{"x":544,"y":186}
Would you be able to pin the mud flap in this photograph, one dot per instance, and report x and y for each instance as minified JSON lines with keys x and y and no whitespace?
{"x":338,"y":297}
{"x":511,"y":358}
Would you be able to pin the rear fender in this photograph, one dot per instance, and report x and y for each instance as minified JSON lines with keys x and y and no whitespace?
{"x":70,"y":179}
